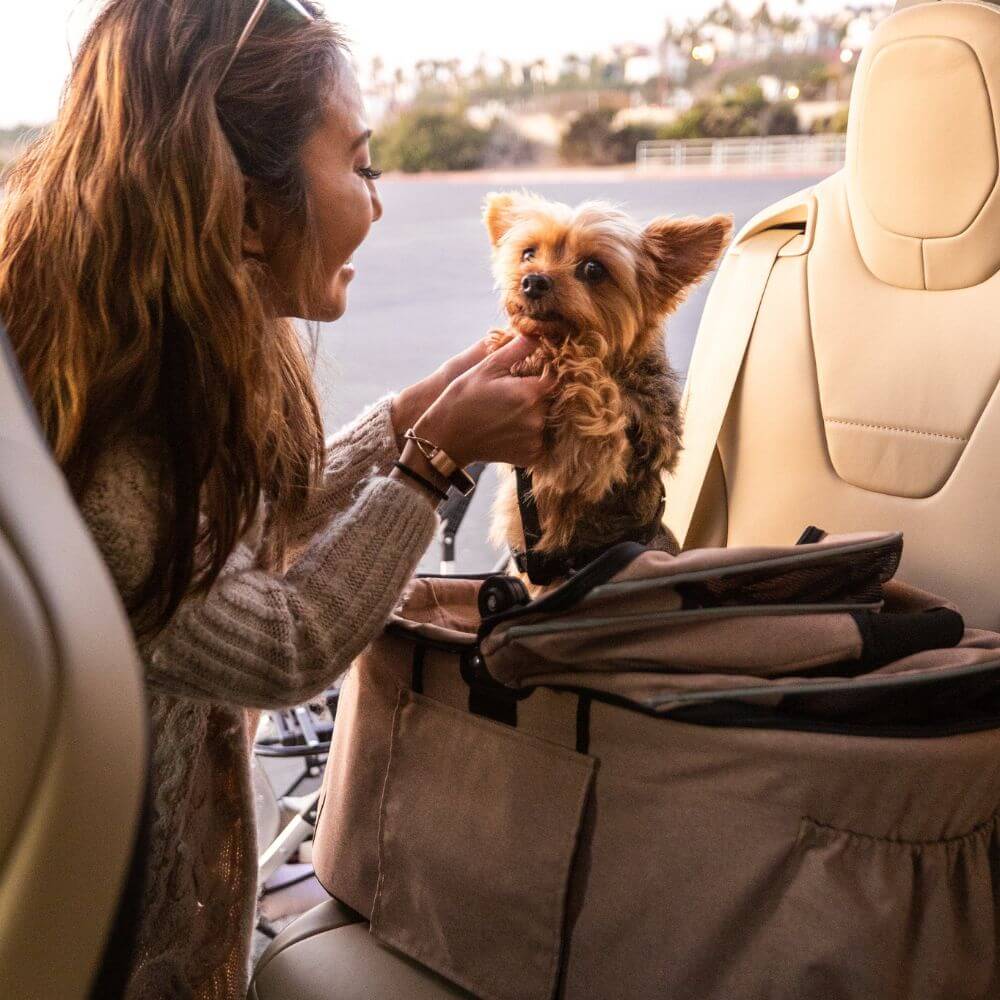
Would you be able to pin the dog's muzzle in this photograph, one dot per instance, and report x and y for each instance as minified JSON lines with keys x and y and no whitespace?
{"x":536,"y":285}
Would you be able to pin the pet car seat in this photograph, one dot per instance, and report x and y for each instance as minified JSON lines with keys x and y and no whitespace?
{"x":870,"y":362}
{"x":72,"y":732}
{"x":737,"y":772}
{"x":847,"y":364}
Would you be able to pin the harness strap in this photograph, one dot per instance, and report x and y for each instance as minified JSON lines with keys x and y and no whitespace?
{"x":530,"y":524}
{"x":544,"y":567}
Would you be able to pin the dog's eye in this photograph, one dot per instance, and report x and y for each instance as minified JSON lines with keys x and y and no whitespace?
{"x":592,"y":270}
{"x":528,"y":254}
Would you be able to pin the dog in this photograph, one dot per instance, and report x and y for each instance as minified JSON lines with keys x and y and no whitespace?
{"x":594,"y":288}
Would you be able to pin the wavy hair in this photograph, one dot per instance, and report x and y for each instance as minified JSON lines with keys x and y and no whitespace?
{"x":123,"y":284}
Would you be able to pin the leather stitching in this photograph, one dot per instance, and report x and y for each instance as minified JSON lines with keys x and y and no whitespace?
{"x":898,"y":430}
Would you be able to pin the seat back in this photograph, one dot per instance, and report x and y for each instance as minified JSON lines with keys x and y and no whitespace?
{"x":72,"y":724}
{"x":867,"y":397}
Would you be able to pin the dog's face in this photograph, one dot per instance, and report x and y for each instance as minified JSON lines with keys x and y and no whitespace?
{"x":593,"y":272}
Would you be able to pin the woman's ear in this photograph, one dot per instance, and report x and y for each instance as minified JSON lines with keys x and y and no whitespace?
{"x":254,"y":214}
{"x":683,"y":251}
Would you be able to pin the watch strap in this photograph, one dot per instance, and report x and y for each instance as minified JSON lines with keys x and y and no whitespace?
{"x":442,"y":463}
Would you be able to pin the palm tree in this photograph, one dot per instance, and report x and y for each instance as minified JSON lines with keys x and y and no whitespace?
{"x":726,"y":16}
{"x":453,"y":69}
{"x":426,"y":73}
{"x":572,"y":65}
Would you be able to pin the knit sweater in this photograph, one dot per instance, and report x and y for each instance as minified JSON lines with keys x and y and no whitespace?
{"x":257,"y":640}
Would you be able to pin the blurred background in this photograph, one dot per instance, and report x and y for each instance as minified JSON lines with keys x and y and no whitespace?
{"x":686,"y":107}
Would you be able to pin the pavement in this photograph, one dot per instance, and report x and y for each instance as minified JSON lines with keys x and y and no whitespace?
{"x":423,"y":289}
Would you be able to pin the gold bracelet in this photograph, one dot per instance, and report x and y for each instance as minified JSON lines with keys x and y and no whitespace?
{"x":442,"y":463}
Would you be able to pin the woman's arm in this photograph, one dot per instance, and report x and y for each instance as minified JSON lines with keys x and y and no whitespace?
{"x":366,"y":447}
{"x":262,"y":640}
{"x":371,"y":444}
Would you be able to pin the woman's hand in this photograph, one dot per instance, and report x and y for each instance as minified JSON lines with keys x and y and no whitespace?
{"x":486,"y":414}
{"x":411,"y":404}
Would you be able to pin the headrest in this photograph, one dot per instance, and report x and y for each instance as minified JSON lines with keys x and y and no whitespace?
{"x":922,"y":146}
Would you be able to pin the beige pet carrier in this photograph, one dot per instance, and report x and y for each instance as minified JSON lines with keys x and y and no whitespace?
{"x":745,"y":772}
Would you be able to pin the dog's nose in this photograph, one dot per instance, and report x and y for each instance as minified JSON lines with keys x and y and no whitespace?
{"x":536,"y":285}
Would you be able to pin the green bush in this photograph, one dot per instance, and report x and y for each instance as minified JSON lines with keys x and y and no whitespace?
{"x":740,"y":112}
{"x":505,"y":146}
{"x":837,"y":122}
{"x":588,"y":138}
{"x":431,"y":140}
{"x":629,"y":136}
{"x":593,"y":140}
{"x":807,"y":70}
{"x":779,"y":119}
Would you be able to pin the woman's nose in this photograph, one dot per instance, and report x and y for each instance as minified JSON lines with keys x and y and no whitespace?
{"x":376,"y":204}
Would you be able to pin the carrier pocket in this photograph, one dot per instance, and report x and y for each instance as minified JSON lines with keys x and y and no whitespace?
{"x":478,"y":830}
{"x":867,"y":916}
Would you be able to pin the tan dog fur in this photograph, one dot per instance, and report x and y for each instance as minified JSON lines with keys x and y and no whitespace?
{"x":615,"y":424}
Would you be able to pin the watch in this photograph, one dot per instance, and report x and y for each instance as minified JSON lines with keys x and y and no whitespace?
{"x":443,"y":463}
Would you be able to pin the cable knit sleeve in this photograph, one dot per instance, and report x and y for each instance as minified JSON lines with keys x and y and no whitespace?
{"x":263,"y":639}
{"x":360,"y":449}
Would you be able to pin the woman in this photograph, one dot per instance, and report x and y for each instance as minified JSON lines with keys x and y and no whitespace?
{"x":207,"y":176}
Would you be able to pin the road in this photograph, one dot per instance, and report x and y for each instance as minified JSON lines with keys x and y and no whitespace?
{"x":423,"y":291}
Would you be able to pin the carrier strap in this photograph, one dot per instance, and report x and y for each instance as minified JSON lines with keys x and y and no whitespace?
{"x":544,"y":567}
{"x":715,"y":369}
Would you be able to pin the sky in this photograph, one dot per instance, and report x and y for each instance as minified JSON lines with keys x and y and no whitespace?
{"x":36,"y":39}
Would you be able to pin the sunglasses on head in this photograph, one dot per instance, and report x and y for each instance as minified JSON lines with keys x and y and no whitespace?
{"x":258,"y":13}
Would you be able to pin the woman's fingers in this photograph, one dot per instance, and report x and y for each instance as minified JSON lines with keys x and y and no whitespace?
{"x":490,"y":415}
{"x":503,"y":359}
{"x":461,"y":363}
{"x":548,"y":383}
{"x":473,"y":355}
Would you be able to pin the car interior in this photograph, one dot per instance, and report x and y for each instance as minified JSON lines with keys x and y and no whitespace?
{"x":867,"y":393}
{"x":853,"y":318}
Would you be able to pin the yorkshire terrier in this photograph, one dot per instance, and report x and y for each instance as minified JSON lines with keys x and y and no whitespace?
{"x":594,"y":288}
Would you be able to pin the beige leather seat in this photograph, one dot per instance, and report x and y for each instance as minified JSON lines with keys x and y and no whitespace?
{"x":867,"y":397}
{"x":72,"y":732}
{"x":328,"y":954}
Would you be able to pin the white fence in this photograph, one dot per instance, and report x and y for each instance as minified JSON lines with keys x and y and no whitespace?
{"x":764,"y":154}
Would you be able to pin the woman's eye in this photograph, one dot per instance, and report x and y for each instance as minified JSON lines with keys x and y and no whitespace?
{"x":592,"y":270}
{"x":528,"y":254}
{"x":370,"y":173}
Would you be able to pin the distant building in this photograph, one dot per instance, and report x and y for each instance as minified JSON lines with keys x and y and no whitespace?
{"x":641,"y":68}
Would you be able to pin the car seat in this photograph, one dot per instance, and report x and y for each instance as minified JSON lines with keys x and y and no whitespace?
{"x":863,"y":385}
{"x":851,"y":380}
{"x":72,"y":733}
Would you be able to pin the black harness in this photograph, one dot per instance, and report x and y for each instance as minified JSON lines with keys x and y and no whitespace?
{"x":544,"y":567}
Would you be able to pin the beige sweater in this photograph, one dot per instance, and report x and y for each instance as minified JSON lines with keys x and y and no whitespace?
{"x":257,"y":640}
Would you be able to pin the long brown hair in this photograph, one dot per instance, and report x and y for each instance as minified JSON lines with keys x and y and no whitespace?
{"x":124,"y":288}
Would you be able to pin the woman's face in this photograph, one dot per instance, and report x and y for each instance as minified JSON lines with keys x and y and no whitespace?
{"x":343,"y":202}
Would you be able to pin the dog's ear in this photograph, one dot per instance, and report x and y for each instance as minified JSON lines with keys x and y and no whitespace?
{"x":682,"y":251}
{"x":500,"y":211}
